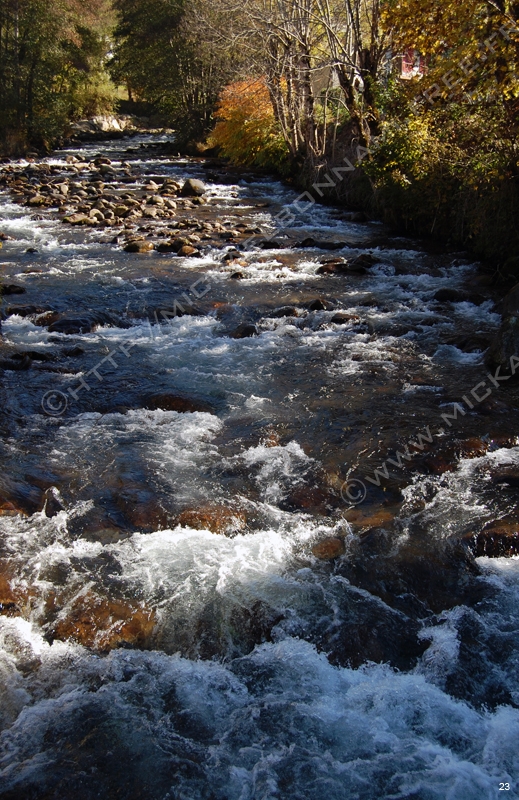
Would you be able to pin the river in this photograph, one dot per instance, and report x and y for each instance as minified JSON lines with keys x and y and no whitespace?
{"x":207,"y":590}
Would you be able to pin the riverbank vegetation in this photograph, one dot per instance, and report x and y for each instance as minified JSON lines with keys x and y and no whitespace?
{"x":52,"y":68}
{"x":428,"y":89}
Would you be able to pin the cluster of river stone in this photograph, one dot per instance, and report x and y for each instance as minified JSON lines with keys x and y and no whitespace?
{"x":94,"y":194}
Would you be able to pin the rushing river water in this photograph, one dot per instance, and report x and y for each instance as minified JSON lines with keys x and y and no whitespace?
{"x":213,"y":600}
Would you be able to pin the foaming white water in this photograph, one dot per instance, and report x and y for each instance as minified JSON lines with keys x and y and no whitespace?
{"x":305,"y":728}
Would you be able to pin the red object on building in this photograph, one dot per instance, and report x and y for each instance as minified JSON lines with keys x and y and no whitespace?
{"x":413,"y":64}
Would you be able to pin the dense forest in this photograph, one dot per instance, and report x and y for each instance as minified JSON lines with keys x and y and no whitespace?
{"x":427,"y":90}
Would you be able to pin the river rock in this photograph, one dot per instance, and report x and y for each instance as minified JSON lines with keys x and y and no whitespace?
{"x":37,"y":200}
{"x":284,"y":311}
{"x":106,"y":169}
{"x":177,"y":244}
{"x":141,"y":507}
{"x":356,"y":268}
{"x":364,"y":261}
{"x":231,"y":255}
{"x":328,"y":549}
{"x":320,"y":244}
{"x":188,"y":251}
{"x":498,"y":539}
{"x":313,"y":499}
{"x":335,"y":267}
{"x":370,"y":517}
{"x":450,"y":296}
{"x":173,"y":402}
{"x":102,"y":624}
{"x":342,"y":318}
{"x":318,"y":305}
{"x":73,"y":352}
{"x":193,"y":188}
{"x":139,"y":246}
{"x":244,"y":331}
{"x":78,"y":219}
{"x":14,"y":364}
{"x":166,"y":247}
{"x":150,"y":212}
{"x":73,"y":325}
{"x":24,"y":311}
{"x":17,"y":497}
{"x":10,"y":599}
{"x":11,"y":288}
{"x":272,"y":244}
{"x":47,"y":318}
{"x":214,"y":518}
{"x":83,"y":323}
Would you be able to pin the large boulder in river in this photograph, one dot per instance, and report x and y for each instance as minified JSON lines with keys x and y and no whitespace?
{"x":139,"y":246}
{"x":11,"y":288}
{"x":82,"y":322}
{"x":102,"y":624}
{"x":506,"y":342}
{"x":72,"y":326}
{"x":193,"y":188}
{"x":496,"y":540}
{"x":214,"y":518}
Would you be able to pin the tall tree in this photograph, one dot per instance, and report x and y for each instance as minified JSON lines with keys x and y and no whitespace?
{"x":50,"y":57}
{"x":166,"y":57}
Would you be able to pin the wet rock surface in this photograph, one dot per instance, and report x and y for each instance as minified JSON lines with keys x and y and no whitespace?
{"x":217,"y":519}
{"x":102,"y":624}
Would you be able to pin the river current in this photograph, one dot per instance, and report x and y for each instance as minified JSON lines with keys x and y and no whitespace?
{"x":206,"y":590}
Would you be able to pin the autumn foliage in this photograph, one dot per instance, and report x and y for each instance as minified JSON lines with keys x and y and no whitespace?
{"x":246,"y":129}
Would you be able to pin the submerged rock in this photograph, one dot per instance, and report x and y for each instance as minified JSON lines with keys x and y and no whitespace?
{"x":17,"y":497}
{"x":338,"y":266}
{"x":173,"y":402}
{"x":24,"y":311}
{"x":329,"y":549}
{"x":320,"y":244}
{"x":450,"y":296}
{"x":73,"y":325}
{"x":363,"y":262}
